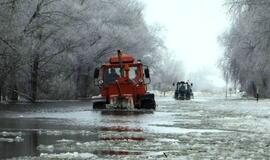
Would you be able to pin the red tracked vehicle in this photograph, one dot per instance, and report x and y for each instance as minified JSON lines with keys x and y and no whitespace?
{"x":123,"y":85}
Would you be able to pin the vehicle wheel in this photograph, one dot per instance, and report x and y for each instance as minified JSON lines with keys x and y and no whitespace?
{"x":99,"y":105}
{"x":147,"y":101}
{"x":148,"y":104}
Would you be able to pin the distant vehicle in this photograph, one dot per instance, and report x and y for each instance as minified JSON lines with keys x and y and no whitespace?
{"x":123,"y":85}
{"x":183,"y":91}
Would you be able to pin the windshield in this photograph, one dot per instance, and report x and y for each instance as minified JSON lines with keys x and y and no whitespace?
{"x":111,"y":74}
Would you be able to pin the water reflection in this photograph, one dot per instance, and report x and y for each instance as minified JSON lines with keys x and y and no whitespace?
{"x":121,"y":129}
{"x":21,"y":137}
{"x":42,"y":136}
{"x":25,"y":148}
{"x":116,"y":153}
{"x":128,"y":137}
{"x":40,"y":130}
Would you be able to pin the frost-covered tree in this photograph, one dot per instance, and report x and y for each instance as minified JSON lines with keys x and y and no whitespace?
{"x":49,"y":48}
{"x":37,"y":30}
{"x":246,"y":59}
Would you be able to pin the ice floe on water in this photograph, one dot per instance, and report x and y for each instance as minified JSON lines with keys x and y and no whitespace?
{"x":6,"y":133}
{"x":65,"y":132}
{"x":68,"y":155}
{"x":46,"y":148}
{"x":50,"y":132}
{"x":65,"y":141}
{"x":176,"y":130}
{"x":203,"y":128}
{"x":10,"y":140}
{"x":6,"y":136}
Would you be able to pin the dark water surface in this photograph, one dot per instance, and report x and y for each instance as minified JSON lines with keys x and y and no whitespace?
{"x":203,"y":128}
{"x":29,"y":129}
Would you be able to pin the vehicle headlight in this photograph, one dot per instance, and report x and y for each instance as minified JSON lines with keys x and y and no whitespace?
{"x":100,"y":82}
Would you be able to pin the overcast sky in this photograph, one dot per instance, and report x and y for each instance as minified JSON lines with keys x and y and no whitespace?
{"x":191,"y":29}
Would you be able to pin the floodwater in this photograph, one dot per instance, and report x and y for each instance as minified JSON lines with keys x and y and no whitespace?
{"x":207,"y":127}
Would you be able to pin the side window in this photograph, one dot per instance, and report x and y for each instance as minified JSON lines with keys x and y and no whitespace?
{"x":106,"y":76}
{"x":133,"y":72}
{"x":117,"y":71}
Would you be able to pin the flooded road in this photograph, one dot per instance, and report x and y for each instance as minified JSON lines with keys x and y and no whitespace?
{"x":207,"y":127}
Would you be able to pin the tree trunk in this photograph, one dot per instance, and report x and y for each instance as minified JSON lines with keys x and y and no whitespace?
{"x":84,"y":85}
{"x":82,"y":82}
{"x":14,"y":94}
{"x":78,"y":87}
{"x":0,"y":93}
{"x":12,"y":87}
{"x":34,"y":78}
{"x":4,"y":94}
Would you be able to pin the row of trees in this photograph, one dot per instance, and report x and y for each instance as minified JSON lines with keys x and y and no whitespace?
{"x":247,"y":46}
{"x":49,"y":48}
